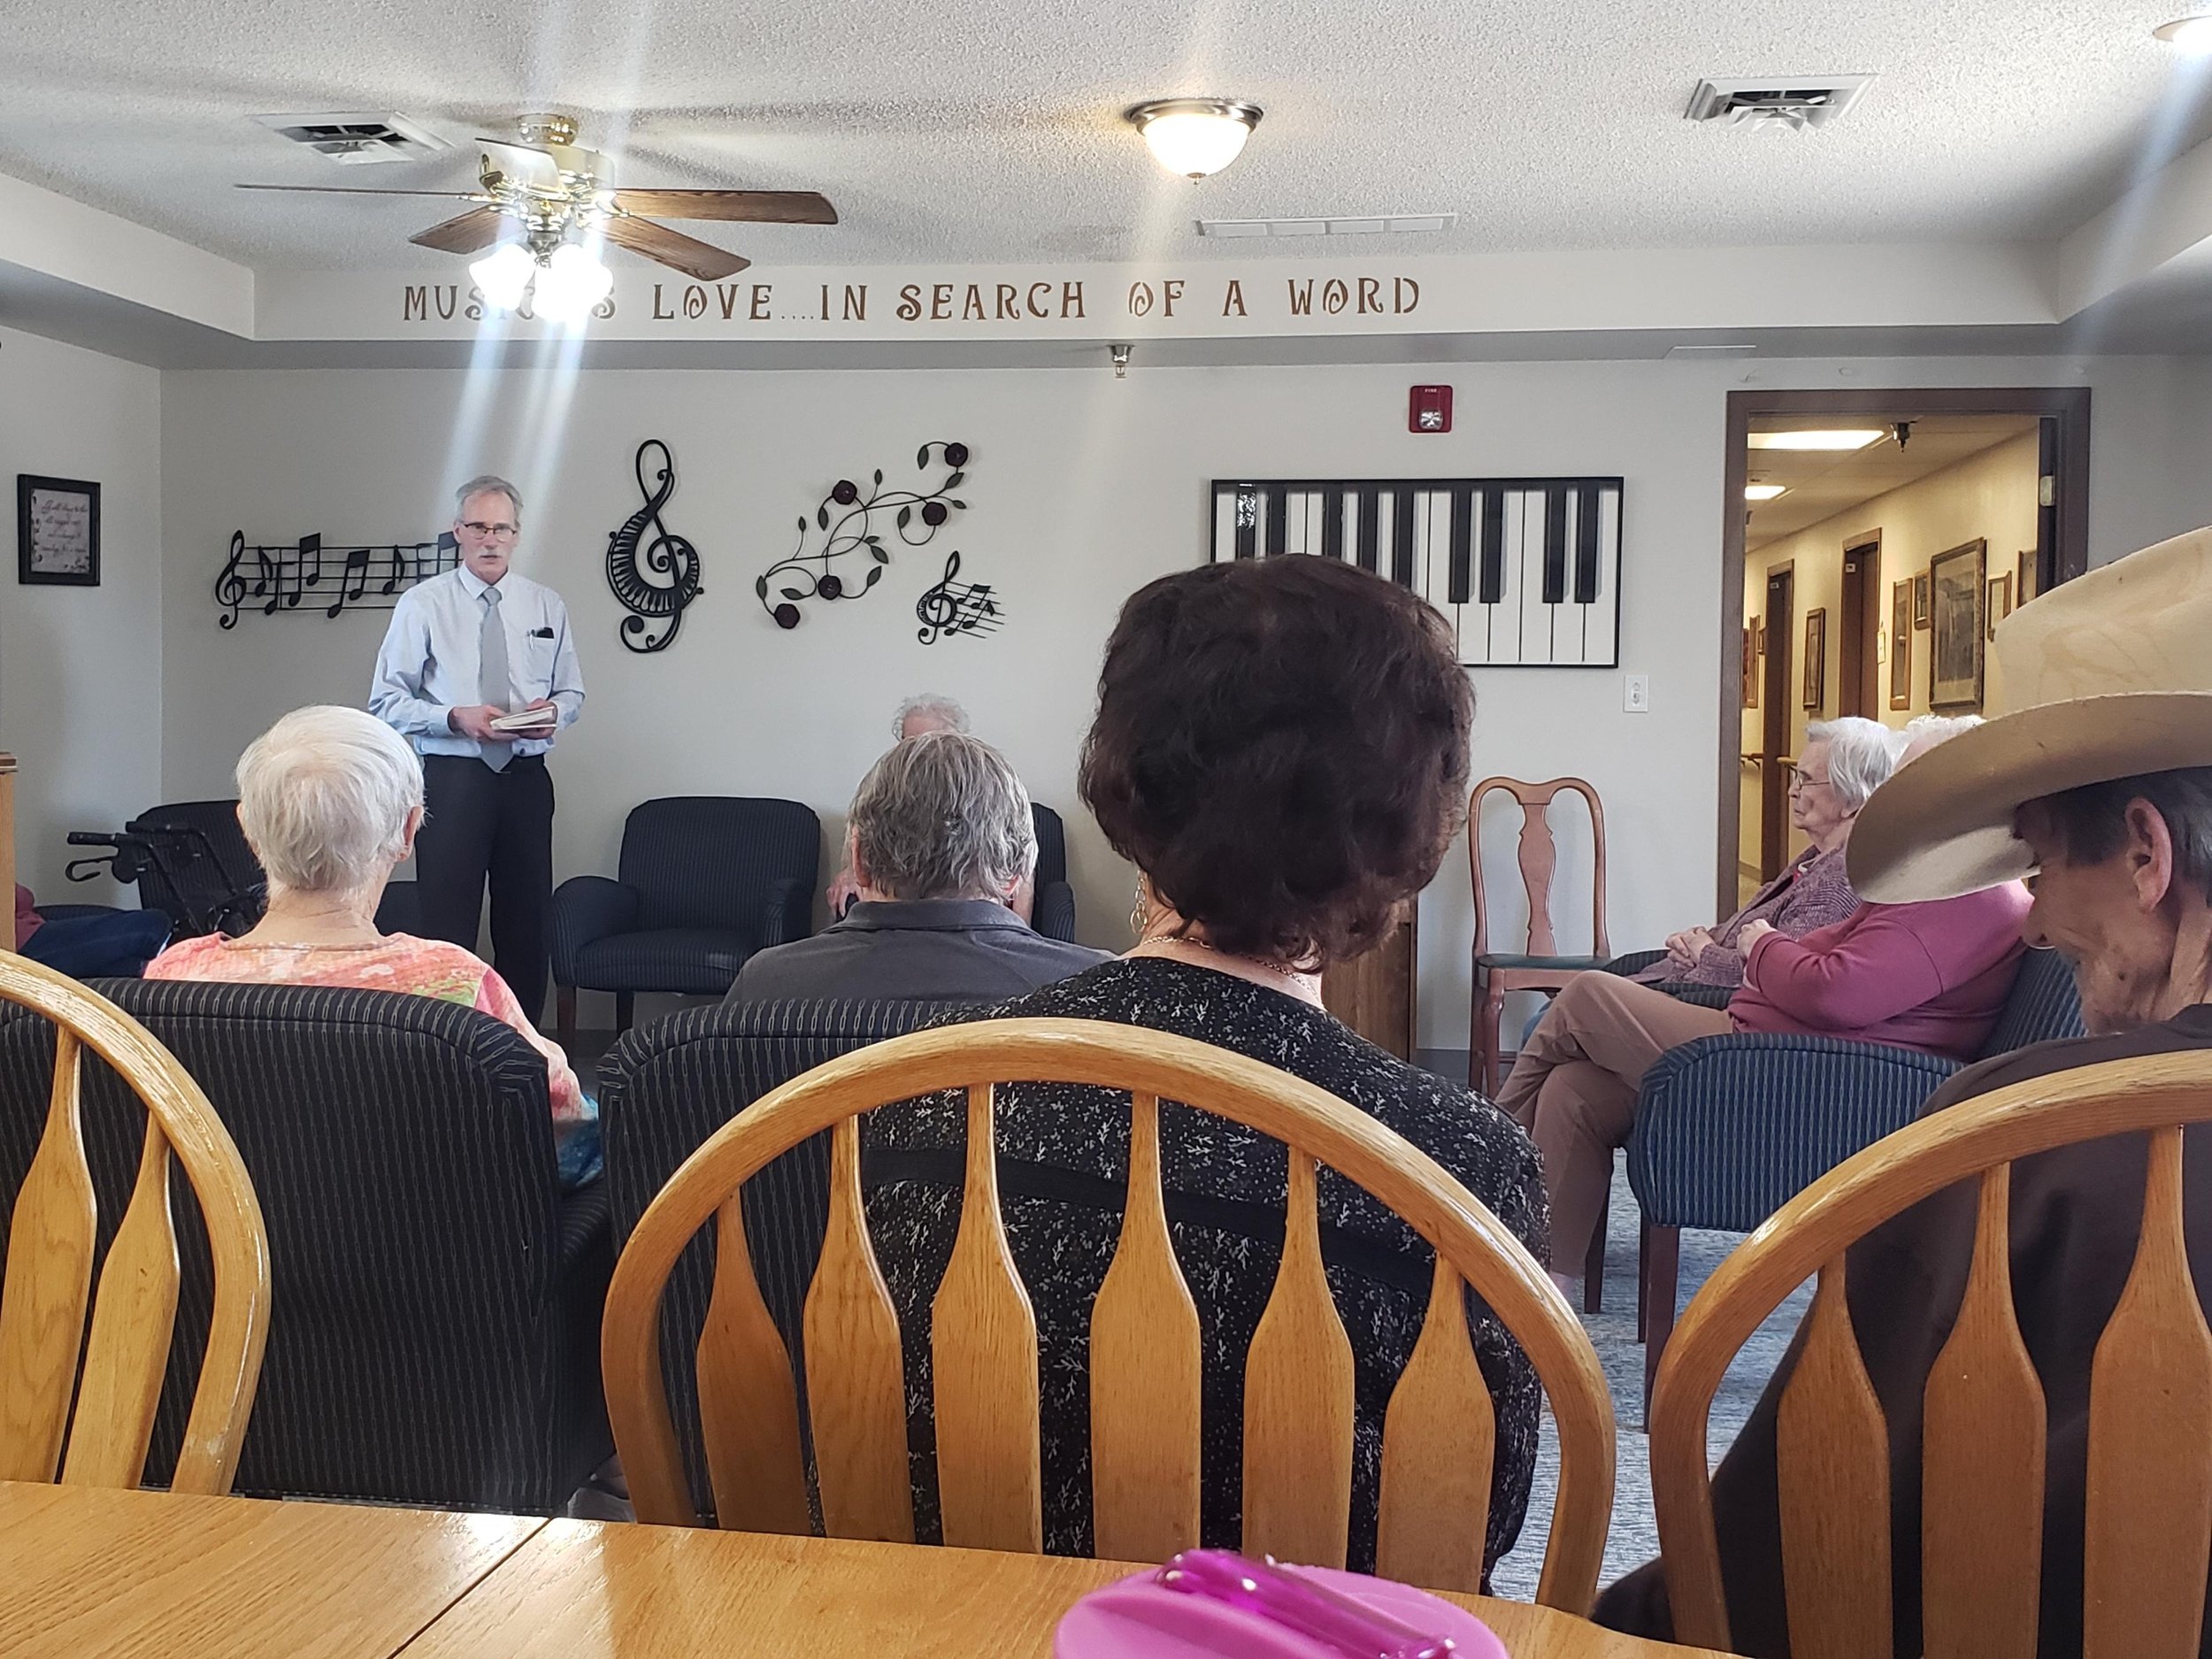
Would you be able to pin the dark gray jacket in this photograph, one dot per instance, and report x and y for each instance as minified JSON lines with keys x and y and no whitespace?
{"x":954,"y":950}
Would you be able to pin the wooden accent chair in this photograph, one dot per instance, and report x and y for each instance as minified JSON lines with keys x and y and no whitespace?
{"x":49,"y":1279}
{"x":1145,"y":1356}
{"x":2150,"y":1520}
{"x":1540,"y":966}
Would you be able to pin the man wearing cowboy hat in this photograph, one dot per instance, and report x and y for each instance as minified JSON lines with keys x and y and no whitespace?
{"x":2097,"y":777}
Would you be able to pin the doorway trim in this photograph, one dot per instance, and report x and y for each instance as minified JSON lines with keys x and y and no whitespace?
{"x":2062,"y":534}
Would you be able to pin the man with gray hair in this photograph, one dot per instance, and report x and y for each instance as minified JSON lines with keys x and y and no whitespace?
{"x":479,"y":671}
{"x":940,"y":840}
{"x":926,"y":711}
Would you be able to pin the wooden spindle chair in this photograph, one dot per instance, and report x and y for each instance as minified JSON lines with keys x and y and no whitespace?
{"x":1144,"y":1340}
{"x":51,"y":1241}
{"x":2149,"y":1491}
{"x":1540,"y":966}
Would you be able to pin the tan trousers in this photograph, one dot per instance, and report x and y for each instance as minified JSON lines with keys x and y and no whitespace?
{"x":1574,"y":1090}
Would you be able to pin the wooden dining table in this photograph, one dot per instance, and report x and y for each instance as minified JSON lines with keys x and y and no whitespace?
{"x":123,"y":1574}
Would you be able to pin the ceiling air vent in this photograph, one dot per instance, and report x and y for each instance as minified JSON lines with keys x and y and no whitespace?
{"x":357,"y":140}
{"x":1774,"y":102}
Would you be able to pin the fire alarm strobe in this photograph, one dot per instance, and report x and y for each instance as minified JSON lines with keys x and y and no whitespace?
{"x":1431,"y":410}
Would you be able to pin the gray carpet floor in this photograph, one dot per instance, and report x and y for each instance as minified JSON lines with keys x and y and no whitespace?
{"x":1633,"y":1537}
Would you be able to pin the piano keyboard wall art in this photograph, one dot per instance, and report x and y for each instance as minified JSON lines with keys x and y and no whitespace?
{"x":1527,"y":570}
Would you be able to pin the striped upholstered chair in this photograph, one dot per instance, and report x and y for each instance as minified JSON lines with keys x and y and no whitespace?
{"x":704,"y":881}
{"x":435,"y":1339}
{"x":1729,"y":1129}
{"x":1053,"y":912}
{"x":663,"y":1089}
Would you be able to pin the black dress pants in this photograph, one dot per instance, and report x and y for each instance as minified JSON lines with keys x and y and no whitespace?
{"x":481,"y":826}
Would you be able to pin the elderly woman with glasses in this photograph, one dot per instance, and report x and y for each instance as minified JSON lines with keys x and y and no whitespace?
{"x":1842,"y":762}
{"x":331,"y":799}
{"x":1931,"y":977}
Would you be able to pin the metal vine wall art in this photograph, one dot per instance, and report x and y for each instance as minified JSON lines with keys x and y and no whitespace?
{"x":658,"y":580}
{"x":285,"y":573}
{"x":851,"y":537}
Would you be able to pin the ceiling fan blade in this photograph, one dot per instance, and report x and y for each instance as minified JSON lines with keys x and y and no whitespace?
{"x":347,"y":190}
{"x":764,"y":207}
{"x":673,"y":249}
{"x":471,"y":231}
{"x":531,"y":169}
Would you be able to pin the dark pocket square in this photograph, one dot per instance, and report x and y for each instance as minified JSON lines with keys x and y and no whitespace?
{"x":541,"y":633}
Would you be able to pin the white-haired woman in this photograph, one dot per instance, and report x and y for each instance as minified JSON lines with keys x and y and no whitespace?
{"x":330,"y":800}
{"x":1842,"y":762}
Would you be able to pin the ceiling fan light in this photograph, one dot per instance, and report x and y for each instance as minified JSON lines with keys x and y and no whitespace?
{"x":502,"y":276}
{"x":571,"y":284}
{"x":1194,"y":136}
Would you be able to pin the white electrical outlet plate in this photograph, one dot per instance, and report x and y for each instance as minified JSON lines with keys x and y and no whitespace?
{"x":1636,"y":694}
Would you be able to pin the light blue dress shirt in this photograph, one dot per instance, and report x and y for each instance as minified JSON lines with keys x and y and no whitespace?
{"x":429,"y":662}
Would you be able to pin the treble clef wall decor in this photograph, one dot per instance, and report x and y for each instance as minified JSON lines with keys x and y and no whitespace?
{"x":853,"y":534}
{"x":661,"y":579}
{"x":949,"y":607}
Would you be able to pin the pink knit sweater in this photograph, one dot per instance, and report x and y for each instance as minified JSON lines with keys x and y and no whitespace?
{"x":1931,"y":977}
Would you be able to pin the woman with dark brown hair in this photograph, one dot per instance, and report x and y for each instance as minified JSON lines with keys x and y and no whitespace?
{"x":1281,"y":750}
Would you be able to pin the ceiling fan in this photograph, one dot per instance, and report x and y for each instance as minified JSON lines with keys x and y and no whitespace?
{"x":542,"y":192}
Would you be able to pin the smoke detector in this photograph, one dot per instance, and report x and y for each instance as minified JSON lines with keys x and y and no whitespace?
{"x":356,"y":140}
{"x":1774,"y":101}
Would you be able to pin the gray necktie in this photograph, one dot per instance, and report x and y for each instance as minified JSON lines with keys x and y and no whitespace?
{"x":491,"y":680}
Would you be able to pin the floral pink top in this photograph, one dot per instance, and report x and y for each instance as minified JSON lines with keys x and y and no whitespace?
{"x":419,"y":967}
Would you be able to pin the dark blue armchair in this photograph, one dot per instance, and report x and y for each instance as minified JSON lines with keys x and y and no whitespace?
{"x":1729,"y":1129}
{"x":1052,"y":913}
{"x":705,"y":882}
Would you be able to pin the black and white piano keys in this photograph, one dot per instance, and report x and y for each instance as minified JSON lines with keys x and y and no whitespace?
{"x":1527,"y":570}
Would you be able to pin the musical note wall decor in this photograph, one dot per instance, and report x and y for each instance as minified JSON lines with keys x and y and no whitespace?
{"x":949,"y":608}
{"x":281,"y":577}
{"x":658,"y":582}
{"x":853,"y":536}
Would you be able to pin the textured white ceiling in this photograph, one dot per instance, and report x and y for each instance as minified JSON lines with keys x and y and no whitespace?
{"x":988,"y":130}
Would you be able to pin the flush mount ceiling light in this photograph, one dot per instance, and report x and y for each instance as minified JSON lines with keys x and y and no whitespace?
{"x":1194,"y":136}
{"x":2190,"y":34}
{"x":1764,"y":492}
{"x":1841,"y":439}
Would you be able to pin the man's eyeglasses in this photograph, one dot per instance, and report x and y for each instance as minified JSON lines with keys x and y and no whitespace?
{"x":484,"y":532}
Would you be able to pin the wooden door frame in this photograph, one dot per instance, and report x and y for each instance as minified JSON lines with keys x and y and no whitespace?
{"x":2062,"y":541}
{"x":1780,"y":671}
{"x":1858,"y":629}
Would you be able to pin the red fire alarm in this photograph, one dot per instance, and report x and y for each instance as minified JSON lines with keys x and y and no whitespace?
{"x":1431,"y":410}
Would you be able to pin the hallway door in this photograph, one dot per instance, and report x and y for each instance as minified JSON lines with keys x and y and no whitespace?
{"x":1779,"y":698}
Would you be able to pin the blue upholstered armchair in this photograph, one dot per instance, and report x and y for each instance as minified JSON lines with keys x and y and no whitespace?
{"x":1729,"y":1129}
{"x":705,"y":881}
{"x":1053,"y":911}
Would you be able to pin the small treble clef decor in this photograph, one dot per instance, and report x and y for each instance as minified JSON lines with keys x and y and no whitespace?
{"x":949,"y":607}
{"x":654,"y":578}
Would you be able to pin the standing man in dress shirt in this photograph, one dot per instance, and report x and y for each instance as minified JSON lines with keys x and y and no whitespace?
{"x":466,"y":648}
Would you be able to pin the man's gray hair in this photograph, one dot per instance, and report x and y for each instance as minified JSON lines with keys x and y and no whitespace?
{"x":944,"y":815}
{"x":488,"y":484}
{"x":1923,"y":732}
{"x":324,"y":796}
{"x":948,"y":715}
{"x":1861,"y":754}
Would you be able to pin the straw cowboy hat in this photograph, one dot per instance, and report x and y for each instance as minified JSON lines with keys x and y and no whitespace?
{"x":2108,"y":676}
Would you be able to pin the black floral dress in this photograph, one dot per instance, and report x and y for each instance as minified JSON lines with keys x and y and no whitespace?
{"x":1063,"y":1153}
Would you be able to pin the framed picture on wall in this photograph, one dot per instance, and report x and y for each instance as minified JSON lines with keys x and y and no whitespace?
{"x":2023,"y":589}
{"x":57,"y":531}
{"x":1999,"y":605}
{"x":1750,"y":668}
{"x":1815,"y":659}
{"x":1901,"y":644}
{"x":1921,"y":606}
{"x":1954,"y":652}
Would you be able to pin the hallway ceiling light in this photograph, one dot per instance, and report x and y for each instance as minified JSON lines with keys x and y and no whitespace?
{"x":1194,"y":136}
{"x":1841,"y":439}
{"x":1764,"y":492}
{"x":2190,"y":34}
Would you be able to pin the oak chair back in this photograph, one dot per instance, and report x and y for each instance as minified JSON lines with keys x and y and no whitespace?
{"x":1144,"y":1338}
{"x":1539,"y":858}
{"x":2149,"y":1491}
{"x":48,"y":1288}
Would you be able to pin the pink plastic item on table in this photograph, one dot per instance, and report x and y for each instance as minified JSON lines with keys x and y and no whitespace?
{"x":1216,"y":1604}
